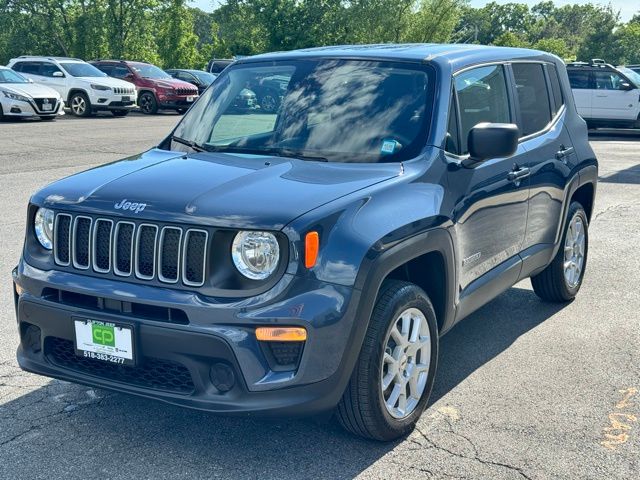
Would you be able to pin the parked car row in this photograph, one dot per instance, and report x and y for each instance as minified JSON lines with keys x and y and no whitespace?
{"x":39,"y":86}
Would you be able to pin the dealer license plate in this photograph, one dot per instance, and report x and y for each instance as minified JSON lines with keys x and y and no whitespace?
{"x":47,"y":107}
{"x":104,"y":341}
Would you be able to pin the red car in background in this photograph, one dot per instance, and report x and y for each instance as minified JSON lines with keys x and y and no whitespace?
{"x":157,"y":90}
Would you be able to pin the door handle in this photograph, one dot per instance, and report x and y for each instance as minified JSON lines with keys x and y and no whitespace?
{"x":563,"y":152}
{"x":518,"y":175}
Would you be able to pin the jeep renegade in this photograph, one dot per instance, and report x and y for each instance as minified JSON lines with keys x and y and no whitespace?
{"x":309,"y":259}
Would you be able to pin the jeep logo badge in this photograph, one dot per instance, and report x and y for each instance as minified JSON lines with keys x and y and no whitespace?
{"x":127,"y":205}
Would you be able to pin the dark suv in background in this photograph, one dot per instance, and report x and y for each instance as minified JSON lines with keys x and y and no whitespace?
{"x":309,"y":259}
{"x":157,"y":90}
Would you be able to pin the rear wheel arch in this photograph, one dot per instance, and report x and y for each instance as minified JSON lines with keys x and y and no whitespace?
{"x":585,"y":195}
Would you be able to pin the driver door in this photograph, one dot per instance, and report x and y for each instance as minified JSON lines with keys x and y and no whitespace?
{"x":614,"y":98}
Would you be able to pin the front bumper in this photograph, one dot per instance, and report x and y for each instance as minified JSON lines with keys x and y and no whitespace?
{"x":106,"y":100}
{"x":14,"y":108}
{"x":175,"y":361}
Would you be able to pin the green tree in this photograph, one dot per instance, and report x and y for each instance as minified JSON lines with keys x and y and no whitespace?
{"x":176,"y":37}
{"x":557,"y":46}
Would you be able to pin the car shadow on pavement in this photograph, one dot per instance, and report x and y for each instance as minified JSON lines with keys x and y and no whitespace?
{"x":486,"y":333}
{"x":613,"y":134}
{"x":629,"y":175}
{"x":89,"y":432}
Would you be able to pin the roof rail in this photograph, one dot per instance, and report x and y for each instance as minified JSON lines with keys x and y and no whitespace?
{"x":50,"y":57}
{"x":598,"y":61}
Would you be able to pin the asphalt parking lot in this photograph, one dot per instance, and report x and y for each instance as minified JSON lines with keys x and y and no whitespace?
{"x":525,"y":389}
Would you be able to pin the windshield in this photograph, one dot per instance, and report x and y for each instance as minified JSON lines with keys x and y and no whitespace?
{"x":77,"y":69}
{"x":204,"y":77}
{"x":335,"y":110}
{"x":9,"y":76}
{"x":150,"y":71}
{"x":631,"y":75}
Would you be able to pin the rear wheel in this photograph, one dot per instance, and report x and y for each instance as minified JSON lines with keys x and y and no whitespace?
{"x":80,"y":105}
{"x":148,"y":103}
{"x":561,"y":280}
{"x":393,"y":378}
{"x":119,"y":113}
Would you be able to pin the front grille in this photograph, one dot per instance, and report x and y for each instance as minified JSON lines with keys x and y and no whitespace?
{"x":186,"y":91}
{"x":123,"y":91}
{"x":51,"y":101}
{"x":153,"y":373}
{"x":128,"y":249}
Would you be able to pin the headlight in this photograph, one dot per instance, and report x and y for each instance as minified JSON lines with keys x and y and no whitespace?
{"x":100,"y":87}
{"x":255,"y":254}
{"x":15,"y":96}
{"x":43,"y":226}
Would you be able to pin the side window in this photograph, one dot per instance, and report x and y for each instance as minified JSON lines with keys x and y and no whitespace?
{"x":120,"y":72}
{"x":579,"y":79}
{"x":608,"y":80}
{"x":30,"y":68}
{"x":107,"y":69}
{"x":453,"y":140}
{"x":482,"y":97}
{"x":558,"y":98}
{"x":48,"y":69}
{"x":17,"y":66}
{"x":533,"y":97}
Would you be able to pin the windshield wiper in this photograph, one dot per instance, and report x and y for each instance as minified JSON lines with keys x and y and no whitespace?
{"x":189,"y":143}
{"x":300,"y":154}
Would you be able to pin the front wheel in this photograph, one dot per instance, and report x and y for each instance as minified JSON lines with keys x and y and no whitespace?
{"x":148,"y":103}
{"x":561,"y":280}
{"x":393,"y":377}
{"x":181,"y":111}
{"x":80,"y":105}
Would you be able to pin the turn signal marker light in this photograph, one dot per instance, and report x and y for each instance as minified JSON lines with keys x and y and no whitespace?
{"x":311,"y":249}
{"x":281,"y":334}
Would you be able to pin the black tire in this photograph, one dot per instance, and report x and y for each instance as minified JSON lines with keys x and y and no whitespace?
{"x":80,"y":105}
{"x":1,"y":114}
{"x":181,"y":111}
{"x":551,"y":284}
{"x":362,"y":410}
{"x":119,"y":113}
{"x":48,"y":119}
{"x":147,"y":103}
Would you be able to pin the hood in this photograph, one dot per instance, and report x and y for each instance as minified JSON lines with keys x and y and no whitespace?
{"x":218,"y":189}
{"x":171,"y":83}
{"x":107,"y":81}
{"x":33,"y":90}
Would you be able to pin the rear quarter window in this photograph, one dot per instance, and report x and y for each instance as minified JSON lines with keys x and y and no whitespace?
{"x":558,"y":98}
{"x":533,"y":97}
{"x":579,"y":79}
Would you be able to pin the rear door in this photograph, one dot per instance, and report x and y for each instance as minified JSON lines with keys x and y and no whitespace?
{"x":491,"y":209}
{"x":581,"y":86}
{"x":549,"y":154}
{"x":613,"y":100}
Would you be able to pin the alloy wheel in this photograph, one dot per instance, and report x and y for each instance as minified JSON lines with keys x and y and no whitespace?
{"x":574,"y":249}
{"x":405,"y":363}
{"x":78,"y":105}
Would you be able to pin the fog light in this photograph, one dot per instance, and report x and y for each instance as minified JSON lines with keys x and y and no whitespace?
{"x":222,"y":377}
{"x":31,"y":338}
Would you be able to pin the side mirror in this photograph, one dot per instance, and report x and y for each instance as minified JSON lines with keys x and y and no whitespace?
{"x":30,"y":80}
{"x":626,"y":86}
{"x":58,"y":74}
{"x":492,"y":140}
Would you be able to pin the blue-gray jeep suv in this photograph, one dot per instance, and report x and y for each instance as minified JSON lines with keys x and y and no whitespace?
{"x":308,"y":258}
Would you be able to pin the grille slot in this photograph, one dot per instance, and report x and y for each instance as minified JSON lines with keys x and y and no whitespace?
{"x":62,"y":239}
{"x":169,"y":257}
{"x":144,"y":251}
{"x":194,"y":257}
{"x":81,"y":239}
{"x":123,"y":248}
{"x":101,"y":254}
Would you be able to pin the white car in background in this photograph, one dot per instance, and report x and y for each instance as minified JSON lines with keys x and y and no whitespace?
{"x":605,"y":96}
{"x":20,"y":97}
{"x":84,"y":88}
